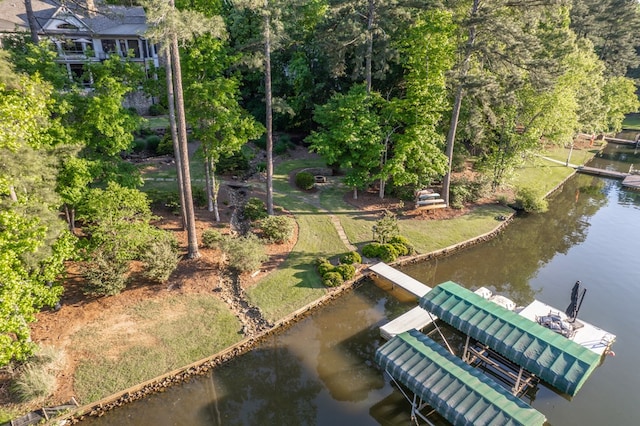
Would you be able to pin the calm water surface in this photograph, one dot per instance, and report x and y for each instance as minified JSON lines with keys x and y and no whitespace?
{"x":321,"y":371}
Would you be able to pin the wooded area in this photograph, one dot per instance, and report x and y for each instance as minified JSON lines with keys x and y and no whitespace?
{"x":394,"y":93}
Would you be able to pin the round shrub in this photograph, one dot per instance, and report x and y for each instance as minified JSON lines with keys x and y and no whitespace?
{"x":531,"y":200}
{"x":278,"y":229}
{"x":160,"y":259}
{"x":402,"y":245}
{"x":153,"y":141}
{"x":371,"y":250}
{"x":324,"y":268}
{"x":139,"y":145}
{"x":388,"y":253}
{"x":211,"y":238}
{"x":332,"y":279}
{"x":347,"y":272}
{"x":165,"y":147}
{"x":255,"y":209}
{"x":244,"y":254}
{"x":350,"y":258}
{"x":305,"y":181}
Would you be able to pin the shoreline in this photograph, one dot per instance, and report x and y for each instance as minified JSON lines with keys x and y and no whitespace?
{"x":205,"y":365}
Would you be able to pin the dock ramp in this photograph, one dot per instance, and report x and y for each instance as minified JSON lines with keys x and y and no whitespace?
{"x":400,"y":279}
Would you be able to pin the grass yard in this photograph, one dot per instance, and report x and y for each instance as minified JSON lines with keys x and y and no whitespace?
{"x":631,"y":122}
{"x":150,"y":339}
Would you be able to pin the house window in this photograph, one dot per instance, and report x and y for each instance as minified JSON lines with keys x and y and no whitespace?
{"x":109,"y":46}
{"x":67,"y":26}
{"x":129,"y":45}
{"x":71,"y":47}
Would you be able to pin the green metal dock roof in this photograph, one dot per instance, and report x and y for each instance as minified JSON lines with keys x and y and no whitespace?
{"x":460,"y":393}
{"x":562,"y":363}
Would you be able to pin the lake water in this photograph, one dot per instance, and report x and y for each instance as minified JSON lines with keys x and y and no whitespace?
{"x":321,"y":371}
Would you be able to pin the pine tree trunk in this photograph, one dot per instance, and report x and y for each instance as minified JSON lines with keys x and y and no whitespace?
{"x":369,"y":54}
{"x":192,"y":238}
{"x":455,"y":115}
{"x":174,"y":135}
{"x":207,"y":179}
{"x":31,"y":18}
{"x":268,"y":102}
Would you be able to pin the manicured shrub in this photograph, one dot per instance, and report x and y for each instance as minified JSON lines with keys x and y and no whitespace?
{"x":371,"y":250}
{"x":388,"y":253}
{"x":384,"y":252}
{"x":531,"y":200}
{"x":153,"y":142}
{"x":255,"y":209}
{"x":351,"y":258}
{"x":278,"y":229}
{"x":346,"y":271}
{"x":199,"y":196}
{"x":211,"y":238}
{"x":165,"y":147}
{"x":325,"y":267}
{"x":244,"y":253}
{"x":403,"y":245}
{"x":305,"y":180}
{"x":160,"y":259}
{"x":139,"y":145}
{"x":106,"y":274}
{"x":332,"y":279}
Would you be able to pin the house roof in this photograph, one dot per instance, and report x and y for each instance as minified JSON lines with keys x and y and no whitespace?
{"x":562,"y":363}
{"x":460,"y":393}
{"x":110,"y":20}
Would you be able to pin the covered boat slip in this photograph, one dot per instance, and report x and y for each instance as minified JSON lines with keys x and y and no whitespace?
{"x":460,"y":393}
{"x":560,"y":362}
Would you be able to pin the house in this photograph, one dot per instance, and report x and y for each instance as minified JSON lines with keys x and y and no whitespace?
{"x":83,"y":31}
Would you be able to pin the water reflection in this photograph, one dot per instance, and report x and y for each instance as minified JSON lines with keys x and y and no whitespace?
{"x":507,"y":264}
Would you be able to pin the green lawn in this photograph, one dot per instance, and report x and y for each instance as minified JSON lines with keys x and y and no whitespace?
{"x":631,"y":122}
{"x":150,"y":339}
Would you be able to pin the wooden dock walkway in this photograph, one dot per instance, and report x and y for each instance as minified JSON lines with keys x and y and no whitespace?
{"x":602,"y":172}
{"x":620,"y":141}
{"x":400,"y":279}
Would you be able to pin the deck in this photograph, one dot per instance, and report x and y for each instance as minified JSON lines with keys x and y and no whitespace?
{"x":620,"y":141}
{"x":589,"y":336}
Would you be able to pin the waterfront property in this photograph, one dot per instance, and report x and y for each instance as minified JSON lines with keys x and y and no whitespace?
{"x":515,"y":346}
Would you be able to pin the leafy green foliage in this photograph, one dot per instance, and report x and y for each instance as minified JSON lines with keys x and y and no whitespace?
{"x":332,"y":279}
{"x":105,"y":274}
{"x":278,"y":229}
{"x":305,"y":180}
{"x":244,"y":254}
{"x":386,"y":228}
{"x":385,"y":252}
{"x":347,"y":272}
{"x":402,"y":245}
{"x":211,"y":238}
{"x":350,"y":134}
{"x":531,"y":200}
{"x":351,"y":258}
{"x":255,"y":209}
{"x":160,"y":259}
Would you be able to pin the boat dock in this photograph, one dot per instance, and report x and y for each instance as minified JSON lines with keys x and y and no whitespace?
{"x":400,"y":279}
{"x":621,"y":141}
{"x":603,"y":172}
